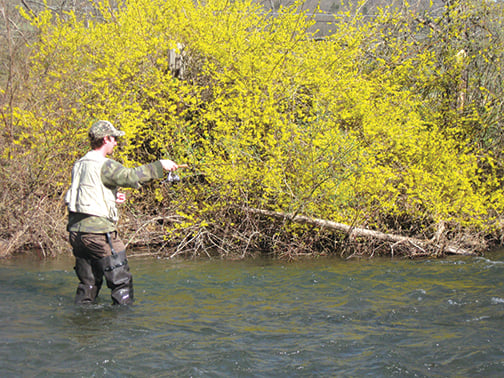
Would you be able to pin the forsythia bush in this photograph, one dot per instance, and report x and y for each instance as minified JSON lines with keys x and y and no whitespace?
{"x":270,"y":116}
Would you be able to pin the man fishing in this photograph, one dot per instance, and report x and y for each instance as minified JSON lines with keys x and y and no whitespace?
{"x":92,"y":218}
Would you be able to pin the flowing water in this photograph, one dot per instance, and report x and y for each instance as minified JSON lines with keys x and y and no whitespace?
{"x":259,"y":318}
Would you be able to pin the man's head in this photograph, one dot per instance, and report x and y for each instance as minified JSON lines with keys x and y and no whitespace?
{"x":100,"y":130}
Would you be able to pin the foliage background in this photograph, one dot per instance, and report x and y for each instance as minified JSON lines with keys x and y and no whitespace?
{"x":391,"y":122}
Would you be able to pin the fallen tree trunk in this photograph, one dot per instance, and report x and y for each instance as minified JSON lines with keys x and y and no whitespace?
{"x":353,"y":232}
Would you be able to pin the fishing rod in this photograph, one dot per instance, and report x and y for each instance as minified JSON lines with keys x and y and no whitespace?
{"x":174,"y":178}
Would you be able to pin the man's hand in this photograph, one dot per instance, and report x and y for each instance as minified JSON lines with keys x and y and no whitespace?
{"x":169,"y":165}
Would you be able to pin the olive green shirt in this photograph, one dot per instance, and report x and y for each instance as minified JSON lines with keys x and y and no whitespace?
{"x":114,"y":175}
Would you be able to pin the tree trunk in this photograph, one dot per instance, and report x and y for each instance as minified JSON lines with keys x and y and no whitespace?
{"x":362,"y":232}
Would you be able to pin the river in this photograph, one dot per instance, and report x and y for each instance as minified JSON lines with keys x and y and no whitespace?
{"x":259,"y":318}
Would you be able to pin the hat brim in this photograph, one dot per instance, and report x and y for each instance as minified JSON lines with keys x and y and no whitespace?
{"x":119,"y":133}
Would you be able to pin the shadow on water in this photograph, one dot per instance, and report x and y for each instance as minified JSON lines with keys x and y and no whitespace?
{"x":324,"y":317}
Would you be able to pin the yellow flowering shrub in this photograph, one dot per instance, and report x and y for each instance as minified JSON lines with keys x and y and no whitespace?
{"x":266,"y":114}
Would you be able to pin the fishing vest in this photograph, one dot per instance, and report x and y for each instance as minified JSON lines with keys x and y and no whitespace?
{"x":87,"y":194}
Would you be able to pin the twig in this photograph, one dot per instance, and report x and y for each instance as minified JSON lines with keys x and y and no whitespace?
{"x":174,"y":219}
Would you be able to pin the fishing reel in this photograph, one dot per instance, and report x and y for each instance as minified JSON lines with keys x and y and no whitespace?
{"x":172,"y":178}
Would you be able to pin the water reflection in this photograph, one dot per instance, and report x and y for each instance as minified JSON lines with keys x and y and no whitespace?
{"x":259,"y":318}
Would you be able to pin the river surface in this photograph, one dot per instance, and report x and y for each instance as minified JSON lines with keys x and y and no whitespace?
{"x":259,"y":318}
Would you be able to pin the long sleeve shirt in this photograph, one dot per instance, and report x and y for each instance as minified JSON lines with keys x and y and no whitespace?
{"x":114,"y":175}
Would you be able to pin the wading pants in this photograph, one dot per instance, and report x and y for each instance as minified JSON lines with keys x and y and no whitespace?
{"x":98,"y":256}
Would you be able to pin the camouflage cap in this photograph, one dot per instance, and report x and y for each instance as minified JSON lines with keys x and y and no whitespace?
{"x":101,"y":129}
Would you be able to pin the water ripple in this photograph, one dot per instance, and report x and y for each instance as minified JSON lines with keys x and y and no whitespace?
{"x":260,"y":319}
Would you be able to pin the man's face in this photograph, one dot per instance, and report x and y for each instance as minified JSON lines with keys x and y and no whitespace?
{"x":110,"y":143}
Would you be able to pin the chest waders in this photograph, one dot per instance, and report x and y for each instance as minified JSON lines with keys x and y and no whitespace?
{"x":91,"y":279}
{"x":116,"y":271}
